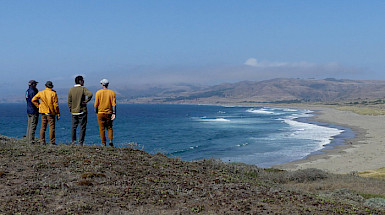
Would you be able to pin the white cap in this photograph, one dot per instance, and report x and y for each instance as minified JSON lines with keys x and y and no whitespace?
{"x":104,"y":82}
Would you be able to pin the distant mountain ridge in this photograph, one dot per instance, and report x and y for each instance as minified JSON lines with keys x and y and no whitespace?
{"x":274,"y":90}
{"x":280,"y":90}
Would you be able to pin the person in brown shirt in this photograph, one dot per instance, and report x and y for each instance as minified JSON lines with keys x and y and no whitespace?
{"x":105,"y":107}
{"x":78,"y":97}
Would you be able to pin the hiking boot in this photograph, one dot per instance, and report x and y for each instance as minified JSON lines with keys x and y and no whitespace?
{"x":111,"y":144}
{"x":33,"y":141}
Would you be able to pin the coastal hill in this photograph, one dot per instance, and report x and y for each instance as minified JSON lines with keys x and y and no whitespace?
{"x":281,"y":90}
{"x":276,"y":90}
{"x":67,"y":179}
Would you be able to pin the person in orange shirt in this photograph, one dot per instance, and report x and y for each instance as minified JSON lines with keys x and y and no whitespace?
{"x":49,"y":109}
{"x":105,"y":107}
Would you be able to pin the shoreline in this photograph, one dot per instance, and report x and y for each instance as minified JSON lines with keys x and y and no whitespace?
{"x":365,"y":151}
{"x":341,"y":139}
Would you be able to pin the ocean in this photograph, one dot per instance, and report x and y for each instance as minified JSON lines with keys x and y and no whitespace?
{"x":263,"y":136}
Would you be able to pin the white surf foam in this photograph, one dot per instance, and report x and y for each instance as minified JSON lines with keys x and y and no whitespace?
{"x":204,"y":119}
{"x":260,"y":111}
{"x":244,"y":144}
{"x":289,"y":110}
{"x":306,"y":131}
{"x":296,"y":141}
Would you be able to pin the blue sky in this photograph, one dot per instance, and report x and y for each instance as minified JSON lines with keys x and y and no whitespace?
{"x":201,"y":41}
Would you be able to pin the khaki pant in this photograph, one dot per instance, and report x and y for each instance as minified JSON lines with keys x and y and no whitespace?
{"x":33,"y":119}
{"x":105,"y":122}
{"x":50,"y":120}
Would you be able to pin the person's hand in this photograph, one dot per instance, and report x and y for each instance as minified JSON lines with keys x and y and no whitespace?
{"x":58,"y":117}
{"x":113,"y":116}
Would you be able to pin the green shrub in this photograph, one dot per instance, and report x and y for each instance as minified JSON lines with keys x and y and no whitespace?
{"x":346,"y":194}
{"x":375,"y":203}
{"x":306,"y":175}
{"x":371,"y":195}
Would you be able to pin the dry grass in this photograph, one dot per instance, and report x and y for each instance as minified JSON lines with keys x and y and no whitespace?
{"x":379,"y":173}
{"x":65,"y":179}
{"x":357,"y":184}
{"x":92,"y":175}
{"x":364,"y":110}
{"x":361,"y":106}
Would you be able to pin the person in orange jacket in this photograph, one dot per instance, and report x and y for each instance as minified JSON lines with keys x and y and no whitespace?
{"x":49,"y":109}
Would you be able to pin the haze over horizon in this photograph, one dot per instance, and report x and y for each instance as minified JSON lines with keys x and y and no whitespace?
{"x":136,"y":43}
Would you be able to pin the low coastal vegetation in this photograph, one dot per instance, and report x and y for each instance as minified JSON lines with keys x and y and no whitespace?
{"x":361,"y":106}
{"x":63,"y":179}
{"x":379,"y":173}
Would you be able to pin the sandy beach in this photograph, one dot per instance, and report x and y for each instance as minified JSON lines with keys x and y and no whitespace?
{"x":364,"y":152}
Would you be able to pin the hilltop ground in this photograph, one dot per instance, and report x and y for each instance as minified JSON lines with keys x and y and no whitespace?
{"x":44,"y":179}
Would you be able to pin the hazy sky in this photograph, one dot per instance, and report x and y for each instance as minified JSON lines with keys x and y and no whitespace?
{"x":199,"y":41}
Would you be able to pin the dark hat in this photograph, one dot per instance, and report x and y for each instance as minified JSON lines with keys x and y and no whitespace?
{"x":49,"y":84}
{"x":32,"y":82}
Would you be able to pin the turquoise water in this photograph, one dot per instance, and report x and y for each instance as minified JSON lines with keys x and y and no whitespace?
{"x":256,"y":135}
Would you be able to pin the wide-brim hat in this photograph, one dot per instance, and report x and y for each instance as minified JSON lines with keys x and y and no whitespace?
{"x":49,"y":84}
